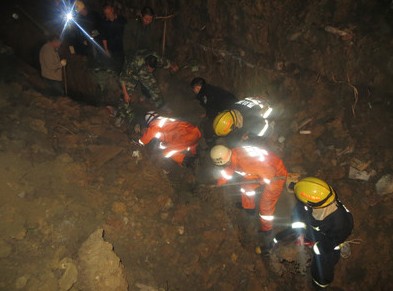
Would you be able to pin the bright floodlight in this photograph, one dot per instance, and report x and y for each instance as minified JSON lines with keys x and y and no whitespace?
{"x":69,"y":16}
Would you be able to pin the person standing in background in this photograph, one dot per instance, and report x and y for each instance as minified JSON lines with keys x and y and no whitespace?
{"x":112,"y":37}
{"x":143,"y":33}
{"x":51,"y":65}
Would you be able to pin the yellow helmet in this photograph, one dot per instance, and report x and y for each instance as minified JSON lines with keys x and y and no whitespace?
{"x":79,"y":5}
{"x":226,"y":121}
{"x":314,"y":192}
{"x":220,"y":155}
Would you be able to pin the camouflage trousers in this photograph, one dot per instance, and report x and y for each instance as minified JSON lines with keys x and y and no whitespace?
{"x":125,"y":113}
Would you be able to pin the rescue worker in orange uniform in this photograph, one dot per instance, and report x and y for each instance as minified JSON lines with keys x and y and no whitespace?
{"x":253,"y":164}
{"x":177,"y":139}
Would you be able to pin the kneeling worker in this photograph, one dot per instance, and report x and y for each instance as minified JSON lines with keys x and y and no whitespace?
{"x":177,"y":139}
{"x":253,"y":164}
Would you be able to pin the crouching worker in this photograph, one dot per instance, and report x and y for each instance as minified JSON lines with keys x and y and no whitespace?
{"x":245,"y":119}
{"x":176,"y":139}
{"x":253,"y":164}
{"x":138,"y":69}
{"x":321,"y":218}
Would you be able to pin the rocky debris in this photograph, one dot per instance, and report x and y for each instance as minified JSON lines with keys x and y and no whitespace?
{"x":357,"y":170}
{"x":99,"y":268}
{"x":290,"y":257}
{"x":101,"y":154}
{"x":384,"y":185}
{"x":70,"y":274}
{"x":345,"y":34}
{"x":144,"y":287}
{"x":182,"y":233}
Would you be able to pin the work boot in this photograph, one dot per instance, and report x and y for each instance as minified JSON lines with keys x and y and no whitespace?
{"x":267,"y":249}
{"x":118,"y":122}
{"x":266,"y":240}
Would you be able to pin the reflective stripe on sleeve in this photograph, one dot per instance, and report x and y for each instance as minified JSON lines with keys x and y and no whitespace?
{"x":225,"y":175}
{"x":265,"y":127}
{"x":170,"y":154}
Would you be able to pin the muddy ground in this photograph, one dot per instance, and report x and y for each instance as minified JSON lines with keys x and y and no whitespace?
{"x":67,"y":171}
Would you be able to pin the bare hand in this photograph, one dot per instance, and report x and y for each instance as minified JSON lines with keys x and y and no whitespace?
{"x":174,"y":68}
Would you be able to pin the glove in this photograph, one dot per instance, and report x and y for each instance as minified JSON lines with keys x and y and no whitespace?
{"x":174,"y":68}
{"x":63,"y":62}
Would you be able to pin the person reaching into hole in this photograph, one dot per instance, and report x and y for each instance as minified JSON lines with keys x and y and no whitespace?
{"x":175,"y":139}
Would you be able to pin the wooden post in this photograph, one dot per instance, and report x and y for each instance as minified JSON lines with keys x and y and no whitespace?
{"x":164,"y":36}
{"x":65,"y":81}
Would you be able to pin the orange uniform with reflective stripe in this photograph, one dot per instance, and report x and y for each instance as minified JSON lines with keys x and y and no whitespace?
{"x":176,"y":137}
{"x":253,"y":163}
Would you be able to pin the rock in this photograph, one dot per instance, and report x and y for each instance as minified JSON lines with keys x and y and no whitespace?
{"x":70,"y":274}
{"x":180,"y":230}
{"x":360,"y":175}
{"x":143,"y":287}
{"x":5,"y":249}
{"x":21,"y":282}
{"x":359,"y":165}
{"x":384,"y":185}
{"x":103,"y":154}
{"x":99,"y":268}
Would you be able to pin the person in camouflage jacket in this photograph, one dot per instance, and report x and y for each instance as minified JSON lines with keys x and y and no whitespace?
{"x":138,"y":69}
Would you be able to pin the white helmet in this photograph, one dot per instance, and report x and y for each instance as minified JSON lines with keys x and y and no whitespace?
{"x":220,"y":155}
{"x":150,"y":116}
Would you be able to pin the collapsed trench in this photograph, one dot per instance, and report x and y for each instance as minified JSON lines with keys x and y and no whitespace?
{"x":301,"y":90}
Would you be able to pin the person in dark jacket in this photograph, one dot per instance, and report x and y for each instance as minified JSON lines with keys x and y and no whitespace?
{"x":112,"y":37}
{"x":247,"y":118}
{"x":321,"y":218}
{"x":85,"y":30}
{"x":214,"y":100}
{"x":144,"y":32}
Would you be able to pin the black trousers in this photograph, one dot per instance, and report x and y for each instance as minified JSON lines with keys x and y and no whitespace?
{"x":322,"y":267}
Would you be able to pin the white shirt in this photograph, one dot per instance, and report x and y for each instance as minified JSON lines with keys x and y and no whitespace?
{"x":50,"y":63}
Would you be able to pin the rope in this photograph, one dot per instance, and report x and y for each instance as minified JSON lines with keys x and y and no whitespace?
{"x":345,"y":247}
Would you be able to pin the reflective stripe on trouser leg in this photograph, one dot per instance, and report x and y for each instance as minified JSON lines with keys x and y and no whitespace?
{"x":266,"y":221}
{"x":248,"y":200}
{"x":177,"y":157}
{"x":267,"y":202}
{"x":322,"y":268}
